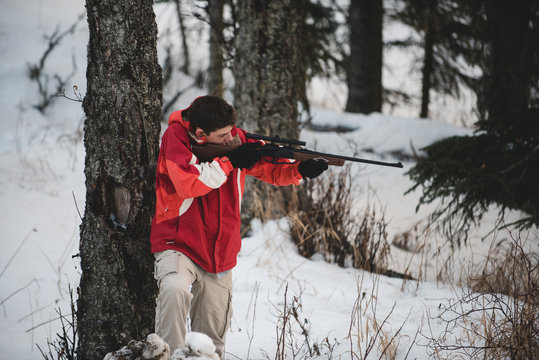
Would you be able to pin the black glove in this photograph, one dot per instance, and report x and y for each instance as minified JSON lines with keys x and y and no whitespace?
{"x":312,"y":168}
{"x":245,"y":155}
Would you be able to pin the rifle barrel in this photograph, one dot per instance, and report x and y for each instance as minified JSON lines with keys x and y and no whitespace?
{"x":349,"y":158}
{"x":274,"y":140}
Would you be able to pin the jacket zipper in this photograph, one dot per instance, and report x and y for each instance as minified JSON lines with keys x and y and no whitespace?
{"x":216,"y":246}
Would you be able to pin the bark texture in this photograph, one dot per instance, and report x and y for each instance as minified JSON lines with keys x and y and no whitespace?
{"x":121,"y":137}
{"x":427,"y":70}
{"x":364,"y":74}
{"x":268,"y":66}
{"x":510,"y":69}
{"x":183,"y":32}
{"x":215,"y":71}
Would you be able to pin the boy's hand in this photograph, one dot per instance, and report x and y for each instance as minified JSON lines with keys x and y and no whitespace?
{"x":312,"y":168}
{"x":245,"y":155}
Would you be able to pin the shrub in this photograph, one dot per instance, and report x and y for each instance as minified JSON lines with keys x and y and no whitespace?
{"x":499,"y":316}
{"x":323,"y":222}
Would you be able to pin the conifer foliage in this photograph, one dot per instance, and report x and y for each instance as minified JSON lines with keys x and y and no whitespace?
{"x":500,"y":164}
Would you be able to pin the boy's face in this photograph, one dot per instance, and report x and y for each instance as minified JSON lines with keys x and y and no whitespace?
{"x":220,"y":136}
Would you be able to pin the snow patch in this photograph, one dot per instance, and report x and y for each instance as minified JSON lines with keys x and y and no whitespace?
{"x":198,"y":346}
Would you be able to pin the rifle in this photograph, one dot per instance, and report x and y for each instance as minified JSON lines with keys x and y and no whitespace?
{"x":278,"y":148}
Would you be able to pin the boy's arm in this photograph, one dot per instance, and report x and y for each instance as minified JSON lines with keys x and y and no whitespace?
{"x":276,"y":174}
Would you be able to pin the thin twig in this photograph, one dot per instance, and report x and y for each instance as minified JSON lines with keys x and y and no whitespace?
{"x":251,"y":335}
{"x":46,"y":322}
{"x":76,"y":205}
{"x":18,"y":291}
{"x":77,"y":98}
{"x":16,"y":251}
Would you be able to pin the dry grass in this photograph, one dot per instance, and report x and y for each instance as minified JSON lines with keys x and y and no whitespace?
{"x":369,"y":334}
{"x":508,"y":269}
{"x":498,"y":318}
{"x":64,"y":346}
{"x":323,"y":222}
{"x":294,"y":340}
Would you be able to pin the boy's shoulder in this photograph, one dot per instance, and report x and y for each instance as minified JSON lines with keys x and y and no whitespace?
{"x":177,"y":130}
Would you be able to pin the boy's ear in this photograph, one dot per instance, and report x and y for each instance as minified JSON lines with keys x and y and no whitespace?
{"x":199,"y":132}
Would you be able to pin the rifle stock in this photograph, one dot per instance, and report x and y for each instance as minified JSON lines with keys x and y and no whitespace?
{"x":208,"y":152}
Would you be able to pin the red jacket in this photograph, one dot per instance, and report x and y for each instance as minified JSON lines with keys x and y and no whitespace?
{"x":197,"y":209}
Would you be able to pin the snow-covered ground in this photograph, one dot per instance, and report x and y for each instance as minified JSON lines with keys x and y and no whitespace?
{"x":42,"y":192}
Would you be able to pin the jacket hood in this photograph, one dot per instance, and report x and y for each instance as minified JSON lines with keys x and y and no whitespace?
{"x":176,"y":116}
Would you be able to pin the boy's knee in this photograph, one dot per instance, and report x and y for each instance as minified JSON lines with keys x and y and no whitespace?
{"x":173,"y":286}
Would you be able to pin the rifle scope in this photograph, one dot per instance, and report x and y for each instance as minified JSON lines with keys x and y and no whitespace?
{"x":275,"y":139}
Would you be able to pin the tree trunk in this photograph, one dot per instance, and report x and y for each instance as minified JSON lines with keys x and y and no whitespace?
{"x":364,"y":75}
{"x":428,"y":68}
{"x":509,"y":70}
{"x":268,"y":66}
{"x":121,"y":137}
{"x":183,"y":32}
{"x":269,"y":78}
{"x":215,"y":72}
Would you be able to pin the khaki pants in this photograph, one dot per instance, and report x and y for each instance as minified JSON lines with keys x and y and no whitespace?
{"x":185,"y":288}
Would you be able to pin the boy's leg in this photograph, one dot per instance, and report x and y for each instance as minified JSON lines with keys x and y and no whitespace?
{"x":175,"y":273}
{"x":212,"y":307}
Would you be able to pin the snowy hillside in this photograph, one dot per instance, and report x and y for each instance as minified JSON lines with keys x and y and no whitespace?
{"x":42,"y":194}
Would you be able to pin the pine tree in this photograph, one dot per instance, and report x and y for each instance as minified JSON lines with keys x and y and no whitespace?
{"x":121,"y":136}
{"x":269,"y":73}
{"x":364,"y":64}
{"x":268,"y":67}
{"x":447,"y":32}
{"x":500,"y":164}
{"x":215,"y":71}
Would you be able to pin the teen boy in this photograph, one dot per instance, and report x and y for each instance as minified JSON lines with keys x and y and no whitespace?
{"x":195,"y":233}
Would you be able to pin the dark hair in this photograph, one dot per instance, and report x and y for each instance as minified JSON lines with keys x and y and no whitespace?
{"x":209,"y":113}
